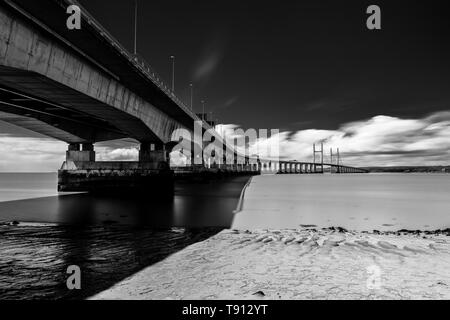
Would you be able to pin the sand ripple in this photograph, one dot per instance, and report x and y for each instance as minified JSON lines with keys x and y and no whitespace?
{"x":298,"y":264}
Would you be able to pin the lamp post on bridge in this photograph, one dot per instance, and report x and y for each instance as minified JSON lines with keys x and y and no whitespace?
{"x":135,"y":25}
{"x":173,"y":73}
{"x":203,"y":110}
{"x":192,"y":95}
{"x":331,"y":160}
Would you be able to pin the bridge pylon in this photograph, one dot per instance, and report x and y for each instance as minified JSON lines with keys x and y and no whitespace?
{"x":315,"y":151}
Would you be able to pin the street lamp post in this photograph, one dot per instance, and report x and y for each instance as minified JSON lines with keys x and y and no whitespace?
{"x":173,"y":73}
{"x":203,"y":110}
{"x":135,"y":26}
{"x":192,"y":95}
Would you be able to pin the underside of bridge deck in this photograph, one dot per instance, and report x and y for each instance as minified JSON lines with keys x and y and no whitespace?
{"x":50,"y":104}
{"x":83,"y":87}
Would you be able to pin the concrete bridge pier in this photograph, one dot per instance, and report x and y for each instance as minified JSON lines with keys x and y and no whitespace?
{"x":150,"y":175}
{"x":153,"y":153}
{"x":80,"y":152}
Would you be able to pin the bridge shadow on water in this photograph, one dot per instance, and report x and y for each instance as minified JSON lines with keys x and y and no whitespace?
{"x":108,"y":237}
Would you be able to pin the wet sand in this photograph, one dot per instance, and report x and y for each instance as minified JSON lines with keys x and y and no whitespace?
{"x":298,"y":264}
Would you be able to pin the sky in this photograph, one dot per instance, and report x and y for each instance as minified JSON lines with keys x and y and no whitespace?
{"x":308,"y":68}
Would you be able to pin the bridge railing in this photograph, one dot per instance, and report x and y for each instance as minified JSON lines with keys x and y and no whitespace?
{"x":137,"y":61}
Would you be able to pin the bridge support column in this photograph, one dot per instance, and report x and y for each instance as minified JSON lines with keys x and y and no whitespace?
{"x":247,"y":165}
{"x":156,"y":154}
{"x":80,"y":152}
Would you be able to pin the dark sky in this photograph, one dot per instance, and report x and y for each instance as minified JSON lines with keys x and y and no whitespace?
{"x":294,"y":64}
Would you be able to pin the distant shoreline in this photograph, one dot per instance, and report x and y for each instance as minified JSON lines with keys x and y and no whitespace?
{"x":410,"y":169}
{"x":374,"y":169}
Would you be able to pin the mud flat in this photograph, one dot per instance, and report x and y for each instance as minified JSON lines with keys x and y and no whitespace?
{"x":299,"y":264}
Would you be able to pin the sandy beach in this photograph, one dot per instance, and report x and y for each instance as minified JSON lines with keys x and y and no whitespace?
{"x":298,"y":264}
{"x":311,"y":259}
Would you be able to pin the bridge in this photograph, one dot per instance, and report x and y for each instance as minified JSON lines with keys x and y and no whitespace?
{"x":83,"y":87}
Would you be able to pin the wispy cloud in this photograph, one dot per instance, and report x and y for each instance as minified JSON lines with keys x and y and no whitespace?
{"x":117,"y":150}
{"x":22,"y":154}
{"x":212,"y":55}
{"x":230,"y":102}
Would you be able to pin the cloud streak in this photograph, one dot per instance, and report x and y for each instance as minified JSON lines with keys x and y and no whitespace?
{"x":210,"y":59}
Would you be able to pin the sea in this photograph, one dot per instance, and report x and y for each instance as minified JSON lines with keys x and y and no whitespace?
{"x":361,"y":202}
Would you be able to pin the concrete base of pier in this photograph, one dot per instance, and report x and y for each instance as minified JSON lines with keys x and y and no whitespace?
{"x":137,"y":177}
{"x":151,"y":178}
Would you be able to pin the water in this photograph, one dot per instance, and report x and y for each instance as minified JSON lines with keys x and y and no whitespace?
{"x":109,"y":238}
{"x":16,"y":186}
{"x":354,"y":201}
{"x":363,"y":202}
{"x":33,"y":198}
